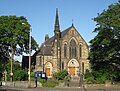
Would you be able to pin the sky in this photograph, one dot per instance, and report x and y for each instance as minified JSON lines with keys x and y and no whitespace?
{"x":41,"y":15}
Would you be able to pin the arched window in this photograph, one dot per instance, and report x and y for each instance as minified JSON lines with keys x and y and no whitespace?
{"x":73,"y":49}
{"x":40,"y":61}
{"x":82,"y":67}
{"x":80,"y":50}
{"x":62,"y":65}
{"x":65,"y":50}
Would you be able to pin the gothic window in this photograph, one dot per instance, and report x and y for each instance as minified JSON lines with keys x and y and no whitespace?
{"x":65,"y":50}
{"x":75,"y":52}
{"x":70,"y":51}
{"x":82,"y":67}
{"x":40,"y":61}
{"x":73,"y":49}
{"x":80,"y":50}
{"x":62,"y":65}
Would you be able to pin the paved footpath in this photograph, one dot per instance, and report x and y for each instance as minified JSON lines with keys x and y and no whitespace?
{"x":58,"y":89}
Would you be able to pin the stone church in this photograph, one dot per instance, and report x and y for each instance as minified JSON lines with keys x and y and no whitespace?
{"x":66,"y":50}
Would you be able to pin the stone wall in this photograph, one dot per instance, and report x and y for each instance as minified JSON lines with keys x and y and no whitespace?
{"x":23,"y":84}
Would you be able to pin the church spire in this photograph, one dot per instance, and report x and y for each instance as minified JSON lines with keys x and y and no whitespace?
{"x":57,"y":26}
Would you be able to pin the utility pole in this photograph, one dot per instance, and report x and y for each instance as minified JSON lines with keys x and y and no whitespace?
{"x":29,"y":70}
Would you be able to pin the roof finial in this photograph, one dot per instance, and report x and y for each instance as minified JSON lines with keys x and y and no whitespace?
{"x":72,"y":22}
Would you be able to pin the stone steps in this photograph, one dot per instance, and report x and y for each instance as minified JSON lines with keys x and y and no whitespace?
{"x":74,"y":82}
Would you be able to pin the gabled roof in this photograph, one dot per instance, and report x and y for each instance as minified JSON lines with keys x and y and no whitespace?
{"x":65,"y":31}
{"x":47,"y":50}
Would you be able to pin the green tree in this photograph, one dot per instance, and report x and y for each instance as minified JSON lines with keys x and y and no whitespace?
{"x":14,"y":35}
{"x":104,"y":48}
{"x":3,"y":59}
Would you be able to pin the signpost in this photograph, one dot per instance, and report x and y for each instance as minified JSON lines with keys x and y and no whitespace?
{"x":39,"y":74}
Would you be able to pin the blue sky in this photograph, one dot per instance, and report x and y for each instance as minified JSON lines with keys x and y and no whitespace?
{"x":41,"y":15}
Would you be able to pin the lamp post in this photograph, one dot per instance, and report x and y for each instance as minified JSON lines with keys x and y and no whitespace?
{"x":29,"y":70}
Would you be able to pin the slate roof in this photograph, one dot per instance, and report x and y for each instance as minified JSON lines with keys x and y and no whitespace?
{"x":47,"y":50}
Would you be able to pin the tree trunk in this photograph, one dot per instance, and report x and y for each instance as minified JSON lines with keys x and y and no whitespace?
{"x":11,"y":59}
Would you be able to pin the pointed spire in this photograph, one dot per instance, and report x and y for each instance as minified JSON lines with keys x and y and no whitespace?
{"x":57,"y":18}
{"x":57,"y":27}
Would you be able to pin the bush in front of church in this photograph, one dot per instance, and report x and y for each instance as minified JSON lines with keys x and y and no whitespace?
{"x":60,"y":75}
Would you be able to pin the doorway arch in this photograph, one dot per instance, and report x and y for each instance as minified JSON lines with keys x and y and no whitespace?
{"x":48,"y":69}
{"x":73,"y":67}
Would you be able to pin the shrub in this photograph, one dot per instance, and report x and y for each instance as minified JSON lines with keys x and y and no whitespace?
{"x":41,"y":80}
{"x":20,"y":75}
{"x":60,"y":75}
{"x":89,"y":77}
{"x":32,"y":76}
{"x":47,"y":84}
{"x":97,"y":77}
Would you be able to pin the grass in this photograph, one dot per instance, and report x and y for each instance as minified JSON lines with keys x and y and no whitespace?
{"x":48,"y":83}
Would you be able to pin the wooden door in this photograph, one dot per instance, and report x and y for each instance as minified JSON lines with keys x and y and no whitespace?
{"x":72,"y":70}
{"x":47,"y":71}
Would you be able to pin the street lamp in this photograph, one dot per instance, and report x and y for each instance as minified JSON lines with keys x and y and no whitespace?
{"x":29,"y":79}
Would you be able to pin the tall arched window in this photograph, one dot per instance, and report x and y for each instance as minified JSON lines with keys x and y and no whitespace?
{"x":65,"y":50}
{"x":62,"y":65}
{"x":73,"y":49}
{"x":82,"y":67}
{"x":40,"y":62}
{"x":80,"y":50}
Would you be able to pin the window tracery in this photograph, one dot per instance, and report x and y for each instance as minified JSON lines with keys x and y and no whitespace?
{"x":73,"y":49}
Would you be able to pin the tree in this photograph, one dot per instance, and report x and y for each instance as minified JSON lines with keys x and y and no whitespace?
{"x":3,"y":59}
{"x":104,"y":48}
{"x":14,"y":35}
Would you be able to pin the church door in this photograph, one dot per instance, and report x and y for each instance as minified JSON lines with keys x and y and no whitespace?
{"x":47,"y":71}
{"x":72,"y":70}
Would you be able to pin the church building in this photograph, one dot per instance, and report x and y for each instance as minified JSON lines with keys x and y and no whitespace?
{"x":66,"y":50}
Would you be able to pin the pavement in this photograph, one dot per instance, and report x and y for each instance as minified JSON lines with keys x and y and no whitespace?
{"x":58,"y":89}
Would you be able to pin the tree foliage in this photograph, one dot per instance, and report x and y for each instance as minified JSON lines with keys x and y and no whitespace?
{"x":14,"y":33}
{"x":14,"y":37}
{"x":104,"y":48}
{"x":98,"y":77}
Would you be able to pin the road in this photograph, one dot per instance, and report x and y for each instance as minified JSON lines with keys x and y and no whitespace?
{"x":54,"y":89}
